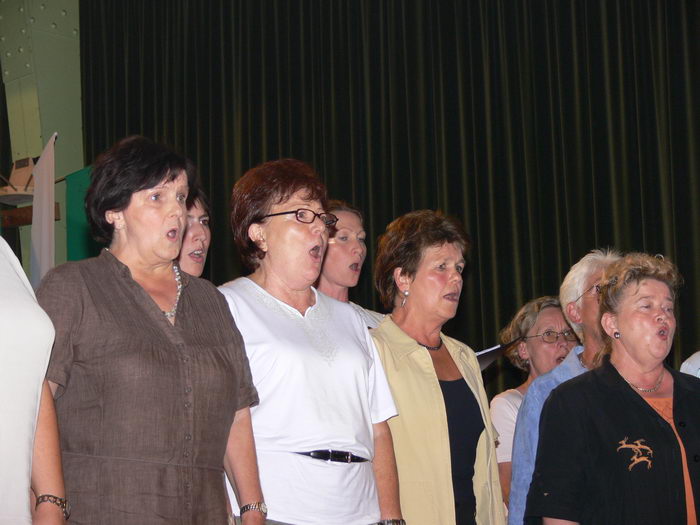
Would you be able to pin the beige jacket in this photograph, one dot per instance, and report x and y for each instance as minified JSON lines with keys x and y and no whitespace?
{"x":420,"y":433}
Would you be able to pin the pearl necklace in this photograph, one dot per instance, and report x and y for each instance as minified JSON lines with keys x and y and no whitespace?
{"x":178,"y":279}
{"x":647,"y":390}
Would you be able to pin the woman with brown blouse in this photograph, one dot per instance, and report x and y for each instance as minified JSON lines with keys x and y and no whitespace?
{"x":152,"y":384}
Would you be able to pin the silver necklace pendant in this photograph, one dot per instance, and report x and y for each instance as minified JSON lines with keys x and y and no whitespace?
{"x":648,"y":390}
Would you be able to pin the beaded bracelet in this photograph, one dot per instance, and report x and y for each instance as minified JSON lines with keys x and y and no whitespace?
{"x":61,"y":503}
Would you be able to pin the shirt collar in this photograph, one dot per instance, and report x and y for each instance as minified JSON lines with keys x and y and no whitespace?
{"x":572,"y":362}
{"x":401,"y":343}
{"x":123,"y":270}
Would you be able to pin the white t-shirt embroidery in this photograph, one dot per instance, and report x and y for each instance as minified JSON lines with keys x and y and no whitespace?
{"x":370,"y":317}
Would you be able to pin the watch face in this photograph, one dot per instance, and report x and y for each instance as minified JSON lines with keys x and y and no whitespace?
{"x":258,"y":506}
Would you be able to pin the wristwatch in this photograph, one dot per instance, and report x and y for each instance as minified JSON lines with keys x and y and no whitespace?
{"x":61,"y":503}
{"x":258,"y":505}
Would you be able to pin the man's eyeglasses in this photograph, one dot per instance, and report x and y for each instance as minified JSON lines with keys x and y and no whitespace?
{"x":550,"y":336}
{"x":597,"y":291}
{"x":308,"y":216}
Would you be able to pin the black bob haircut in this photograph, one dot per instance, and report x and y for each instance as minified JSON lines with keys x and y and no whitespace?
{"x":197,"y":196}
{"x":133,"y":164}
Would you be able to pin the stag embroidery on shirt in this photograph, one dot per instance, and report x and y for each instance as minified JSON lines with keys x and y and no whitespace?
{"x":640,"y":453}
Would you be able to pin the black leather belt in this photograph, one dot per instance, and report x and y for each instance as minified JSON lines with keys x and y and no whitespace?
{"x":334,"y":455}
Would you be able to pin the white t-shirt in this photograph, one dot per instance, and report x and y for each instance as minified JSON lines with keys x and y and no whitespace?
{"x":692,"y":365}
{"x":370,"y":317}
{"x":321,"y":386}
{"x":26,"y":337}
{"x":504,"y":412}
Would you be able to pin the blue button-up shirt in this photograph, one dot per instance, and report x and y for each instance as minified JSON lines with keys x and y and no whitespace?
{"x":527,"y":431}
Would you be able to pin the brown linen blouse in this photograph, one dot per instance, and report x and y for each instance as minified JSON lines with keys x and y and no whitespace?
{"x":144,"y":407}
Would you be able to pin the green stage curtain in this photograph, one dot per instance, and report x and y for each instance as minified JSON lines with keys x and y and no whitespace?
{"x":548,"y":127}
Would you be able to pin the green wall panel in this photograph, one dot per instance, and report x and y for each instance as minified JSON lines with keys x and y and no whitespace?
{"x":79,"y":242}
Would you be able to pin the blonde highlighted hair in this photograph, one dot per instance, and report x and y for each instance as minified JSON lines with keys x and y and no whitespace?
{"x":520,"y":325}
{"x":633,"y":268}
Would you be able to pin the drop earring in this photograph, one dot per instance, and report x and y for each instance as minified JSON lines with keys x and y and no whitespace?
{"x":405,"y":296}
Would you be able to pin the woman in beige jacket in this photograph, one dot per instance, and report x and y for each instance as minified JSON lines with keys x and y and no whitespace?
{"x":443,"y":437}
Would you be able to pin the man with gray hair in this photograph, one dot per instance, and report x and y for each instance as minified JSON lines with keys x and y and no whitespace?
{"x":578,"y":296}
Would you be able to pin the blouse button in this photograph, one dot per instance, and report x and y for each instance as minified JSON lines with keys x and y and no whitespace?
{"x":186,"y":453}
{"x":188,"y":437}
{"x":696,"y":458}
{"x":188,"y":389}
{"x":681,"y":423}
{"x":188,"y":404}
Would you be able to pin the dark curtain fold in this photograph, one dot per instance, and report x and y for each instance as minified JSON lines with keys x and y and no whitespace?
{"x":11,"y":235}
{"x":549,"y":127}
{"x":5,"y":149}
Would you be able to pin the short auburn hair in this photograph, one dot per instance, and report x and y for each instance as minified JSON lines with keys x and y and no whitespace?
{"x":262,"y":187}
{"x":403,"y":243}
{"x":133,"y":164}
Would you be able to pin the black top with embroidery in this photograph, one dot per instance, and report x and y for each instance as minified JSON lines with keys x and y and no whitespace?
{"x":606,"y":457}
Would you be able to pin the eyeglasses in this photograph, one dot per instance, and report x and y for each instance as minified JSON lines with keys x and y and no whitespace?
{"x":550,"y":336}
{"x":597,"y":291}
{"x":308,"y":216}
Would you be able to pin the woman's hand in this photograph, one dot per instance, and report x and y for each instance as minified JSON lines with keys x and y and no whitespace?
{"x":253,"y":517}
{"x":241,"y":465}
{"x":47,"y":472}
{"x":385,"y":473}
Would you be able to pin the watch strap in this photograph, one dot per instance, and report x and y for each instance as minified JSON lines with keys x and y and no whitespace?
{"x":258,"y":505}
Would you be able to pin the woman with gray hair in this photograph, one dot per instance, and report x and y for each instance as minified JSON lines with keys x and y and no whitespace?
{"x":578,"y":295}
{"x":631,"y":425}
{"x":544,"y":341}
